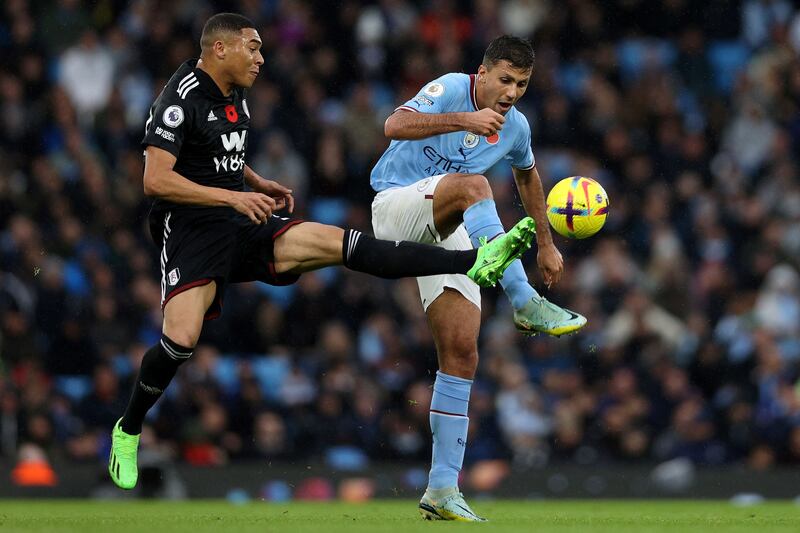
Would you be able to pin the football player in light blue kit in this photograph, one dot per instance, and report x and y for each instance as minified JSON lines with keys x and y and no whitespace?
{"x":431,"y":189}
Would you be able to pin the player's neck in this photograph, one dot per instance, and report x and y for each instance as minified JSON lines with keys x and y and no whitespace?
{"x":225,"y":87}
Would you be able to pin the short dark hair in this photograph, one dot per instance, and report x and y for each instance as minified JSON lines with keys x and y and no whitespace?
{"x":223,"y":23}
{"x":515,"y":50}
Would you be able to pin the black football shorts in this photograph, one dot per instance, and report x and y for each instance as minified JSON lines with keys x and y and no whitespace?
{"x":202,"y":245}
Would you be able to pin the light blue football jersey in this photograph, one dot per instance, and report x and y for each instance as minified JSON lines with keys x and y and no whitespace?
{"x":407,"y":162}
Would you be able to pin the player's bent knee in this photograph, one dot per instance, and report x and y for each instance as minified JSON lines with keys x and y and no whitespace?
{"x":183,"y":325}
{"x":475,"y":188}
{"x":182,"y":338}
{"x":183,"y":314}
{"x":460,"y":363}
{"x":464,"y":357}
{"x":459,"y":351}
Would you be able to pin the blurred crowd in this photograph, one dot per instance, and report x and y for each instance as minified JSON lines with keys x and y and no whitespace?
{"x":688,"y":113}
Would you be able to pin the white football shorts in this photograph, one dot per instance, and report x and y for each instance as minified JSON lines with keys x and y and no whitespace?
{"x":406,"y":214}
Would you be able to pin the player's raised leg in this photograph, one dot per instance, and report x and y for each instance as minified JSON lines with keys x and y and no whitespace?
{"x":311,"y":246}
{"x":183,"y":321}
{"x":455,"y":322}
{"x":468,"y":197}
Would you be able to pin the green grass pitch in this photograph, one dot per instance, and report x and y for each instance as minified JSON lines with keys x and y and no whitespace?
{"x":395,"y":516}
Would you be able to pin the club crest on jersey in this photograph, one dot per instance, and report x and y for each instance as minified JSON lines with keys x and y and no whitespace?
{"x":434,"y":89}
{"x":470,"y":140}
{"x":173,"y":116}
{"x":173,"y":276}
{"x":493,"y":139}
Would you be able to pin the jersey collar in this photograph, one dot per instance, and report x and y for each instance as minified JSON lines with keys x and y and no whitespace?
{"x":206,"y":82}
{"x":472,"y":95}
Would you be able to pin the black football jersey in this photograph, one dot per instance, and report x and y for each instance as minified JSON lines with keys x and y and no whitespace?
{"x":205,"y":130}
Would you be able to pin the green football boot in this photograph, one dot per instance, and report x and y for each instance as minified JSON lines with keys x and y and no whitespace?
{"x":122,"y":460}
{"x":495,"y":256}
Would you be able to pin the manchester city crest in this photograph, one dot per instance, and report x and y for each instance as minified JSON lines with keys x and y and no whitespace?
{"x":470,"y":140}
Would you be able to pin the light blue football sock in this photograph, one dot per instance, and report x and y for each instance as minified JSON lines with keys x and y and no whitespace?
{"x":449,"y":424}
{"x":481,"y":220}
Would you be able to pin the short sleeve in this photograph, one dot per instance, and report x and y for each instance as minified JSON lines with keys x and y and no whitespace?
{"x":437,"y":96}
{"x":167,"y":125}
{"x":521,"y":156}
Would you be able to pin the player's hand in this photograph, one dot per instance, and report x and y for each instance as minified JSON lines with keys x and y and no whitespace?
{"x":485,"y":122}
{"x":257,"y":206}
{"x":551,"y":264}
{"x":282,"y":195}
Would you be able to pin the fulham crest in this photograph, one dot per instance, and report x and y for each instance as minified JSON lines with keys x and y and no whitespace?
{"x":173,"y":276}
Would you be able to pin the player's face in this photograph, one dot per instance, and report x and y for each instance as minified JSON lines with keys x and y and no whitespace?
{"x":501,"y":86}
{"x":244,"y":57}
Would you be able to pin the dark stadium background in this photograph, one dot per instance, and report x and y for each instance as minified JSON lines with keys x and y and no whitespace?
{"x":687,"y":112}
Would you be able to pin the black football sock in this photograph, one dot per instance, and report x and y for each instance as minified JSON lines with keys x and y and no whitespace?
{"x":399,"y":259}
{"x":159,"y":365}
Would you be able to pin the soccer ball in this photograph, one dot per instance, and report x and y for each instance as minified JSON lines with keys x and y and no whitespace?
{"x":577,"y":207}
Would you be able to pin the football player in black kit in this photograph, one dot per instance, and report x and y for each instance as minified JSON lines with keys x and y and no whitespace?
{"x":212,"y":231}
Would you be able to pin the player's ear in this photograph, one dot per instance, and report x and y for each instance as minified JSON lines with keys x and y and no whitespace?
{"x":482,"y":73}
{"x":219,"y":49}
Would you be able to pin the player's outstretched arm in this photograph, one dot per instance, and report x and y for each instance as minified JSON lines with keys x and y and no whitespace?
{"x":529,"y":184}
{"x":161,"y":181}
{"x":408,"y":125}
